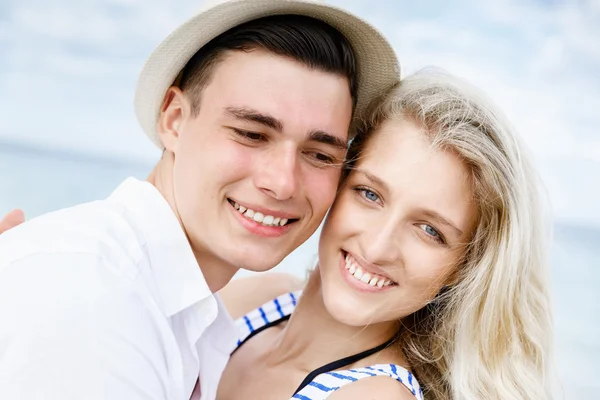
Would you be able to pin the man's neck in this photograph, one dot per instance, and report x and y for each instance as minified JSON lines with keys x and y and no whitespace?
{"x":217,"y":273}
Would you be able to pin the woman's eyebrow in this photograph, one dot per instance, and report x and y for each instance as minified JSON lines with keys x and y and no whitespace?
{"x":374,"y":179}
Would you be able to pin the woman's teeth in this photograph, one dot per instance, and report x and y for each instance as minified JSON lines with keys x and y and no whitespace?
{"x":360,"y":274}
{"x":267,"y":220}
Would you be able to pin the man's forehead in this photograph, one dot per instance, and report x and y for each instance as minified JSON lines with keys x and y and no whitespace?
{"x":243,"y":86}
{"x":237,"y":60}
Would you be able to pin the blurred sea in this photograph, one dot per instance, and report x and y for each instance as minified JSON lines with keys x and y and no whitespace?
{"x":39,"y":181}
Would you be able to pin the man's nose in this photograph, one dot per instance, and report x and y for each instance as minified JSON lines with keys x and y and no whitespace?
{"x":277,"y":175}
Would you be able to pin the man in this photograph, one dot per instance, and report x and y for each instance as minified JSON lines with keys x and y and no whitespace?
{"x":12,"y":219}
{"x":251,"y":103}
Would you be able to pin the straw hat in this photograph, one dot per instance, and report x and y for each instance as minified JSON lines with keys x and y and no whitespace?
{"x":377,"y":66}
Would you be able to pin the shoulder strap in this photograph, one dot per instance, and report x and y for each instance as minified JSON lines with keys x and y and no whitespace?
{"x":324,"y":384}
{"x":337,"y":364}
{"x":269,"y":314}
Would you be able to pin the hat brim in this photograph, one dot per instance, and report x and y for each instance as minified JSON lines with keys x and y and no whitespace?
{"x":377,"y":64}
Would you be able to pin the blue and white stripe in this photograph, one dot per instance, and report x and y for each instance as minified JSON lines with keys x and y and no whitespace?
{"x":325,"y":384}
{"x":275,"y":309}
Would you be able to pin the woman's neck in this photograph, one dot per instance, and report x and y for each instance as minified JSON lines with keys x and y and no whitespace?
{"x":313,"y":338}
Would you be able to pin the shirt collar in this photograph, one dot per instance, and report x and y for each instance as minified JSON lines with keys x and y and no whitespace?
{"x":179,"y":280}
{"x":227,"y":328}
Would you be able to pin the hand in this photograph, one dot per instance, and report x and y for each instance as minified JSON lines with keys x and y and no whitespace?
{"x":12,"y":219}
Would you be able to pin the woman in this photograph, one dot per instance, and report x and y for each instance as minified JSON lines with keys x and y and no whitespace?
{"x":432,"y":268}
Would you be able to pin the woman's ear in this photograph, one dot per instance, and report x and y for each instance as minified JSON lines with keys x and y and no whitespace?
{"x":172,"y":113}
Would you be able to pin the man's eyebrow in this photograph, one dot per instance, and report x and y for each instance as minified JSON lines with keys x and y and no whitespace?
{"x":248,"y":114}
{"x":327,"y":138}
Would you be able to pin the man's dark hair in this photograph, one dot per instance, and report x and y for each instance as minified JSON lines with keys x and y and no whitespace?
{"x":307,"y":40}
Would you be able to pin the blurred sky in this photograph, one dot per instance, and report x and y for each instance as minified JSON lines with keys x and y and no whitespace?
{"x":68,"y":69}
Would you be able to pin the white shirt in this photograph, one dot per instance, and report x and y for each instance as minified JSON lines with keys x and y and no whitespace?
{"x":105,"y":300}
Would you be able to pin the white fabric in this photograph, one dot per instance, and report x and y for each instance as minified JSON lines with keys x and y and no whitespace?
{"x":106,"y":301}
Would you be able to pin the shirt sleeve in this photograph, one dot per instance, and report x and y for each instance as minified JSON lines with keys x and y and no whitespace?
{"x":71,"y":328}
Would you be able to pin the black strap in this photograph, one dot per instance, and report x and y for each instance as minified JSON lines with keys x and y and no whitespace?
{"x":262,"y":328}
{"x":342,"y":363}
{"x":327,"y":367}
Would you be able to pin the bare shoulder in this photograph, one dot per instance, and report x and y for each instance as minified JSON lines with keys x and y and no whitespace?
{"x":373,"y":388}
{"x":243,"y":295}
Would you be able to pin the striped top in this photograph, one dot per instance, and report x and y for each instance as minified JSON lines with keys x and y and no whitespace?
{"x":326,"y":383}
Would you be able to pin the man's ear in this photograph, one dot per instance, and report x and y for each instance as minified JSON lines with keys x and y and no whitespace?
{"x":172,"y":113}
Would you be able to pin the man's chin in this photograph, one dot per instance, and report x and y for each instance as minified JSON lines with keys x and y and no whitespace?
{"x":259,"y":265}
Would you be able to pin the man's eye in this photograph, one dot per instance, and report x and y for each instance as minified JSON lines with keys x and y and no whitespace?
{"x":320,"y":159}
{"x":323,"y":158}
{"x":252,"y":136}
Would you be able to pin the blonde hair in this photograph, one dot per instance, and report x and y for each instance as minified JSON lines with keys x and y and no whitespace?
{"x":488,"y":335}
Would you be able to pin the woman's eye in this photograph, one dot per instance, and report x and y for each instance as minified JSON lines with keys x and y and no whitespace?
{"x":432,"y":232}
{"x":369,"y":195}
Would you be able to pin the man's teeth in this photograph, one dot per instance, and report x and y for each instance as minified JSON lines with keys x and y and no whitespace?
{"x":267,"y":220}
{"x":366,"y":277}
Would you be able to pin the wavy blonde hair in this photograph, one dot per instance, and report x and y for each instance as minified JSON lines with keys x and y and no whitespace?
{"x":489,"y":334}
